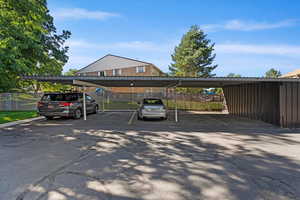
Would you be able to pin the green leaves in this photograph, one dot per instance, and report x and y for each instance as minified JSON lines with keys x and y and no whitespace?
{"x":273,"y":73}
{"x":194,"y":55}
{"x":29,"y":44}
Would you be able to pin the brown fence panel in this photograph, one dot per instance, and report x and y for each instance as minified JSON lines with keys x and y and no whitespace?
{"x":289,"y":105}
{"x":255,"y":101}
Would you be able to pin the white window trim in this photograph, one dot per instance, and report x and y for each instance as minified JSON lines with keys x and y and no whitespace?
{"x":138,"y":67}
{"x":115,"y":70}
{"x":104,"y":73}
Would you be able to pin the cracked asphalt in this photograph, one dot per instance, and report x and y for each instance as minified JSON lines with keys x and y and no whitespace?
{"x":203,"y":156}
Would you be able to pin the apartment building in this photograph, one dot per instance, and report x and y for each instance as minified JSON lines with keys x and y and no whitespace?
{"x":112,"y":65}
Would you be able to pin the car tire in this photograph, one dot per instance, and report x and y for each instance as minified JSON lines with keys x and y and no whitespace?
{"x":77,"y":114}
{"x":49,"y":117}
{"x":138,"y":117}
{"x":96,"y":110}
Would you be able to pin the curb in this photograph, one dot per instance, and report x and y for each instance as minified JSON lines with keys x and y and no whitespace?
{"x":20,"y":122}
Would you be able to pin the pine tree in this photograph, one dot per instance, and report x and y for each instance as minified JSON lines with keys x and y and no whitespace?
{"x":194,"y":55}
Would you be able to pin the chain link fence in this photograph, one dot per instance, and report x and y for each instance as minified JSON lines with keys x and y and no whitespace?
{"x":121,"y":101}
{"x":129,"y":101}
{"x":18,"y":101}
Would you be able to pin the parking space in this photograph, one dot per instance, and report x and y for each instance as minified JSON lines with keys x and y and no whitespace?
{"x":203,"y":156}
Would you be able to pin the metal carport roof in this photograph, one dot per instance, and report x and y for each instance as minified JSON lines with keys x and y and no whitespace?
{"x":150,"y":81}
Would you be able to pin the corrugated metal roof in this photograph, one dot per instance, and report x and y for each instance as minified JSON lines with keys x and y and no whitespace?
{"x":109,"y":62}
{"x":153,"y":81}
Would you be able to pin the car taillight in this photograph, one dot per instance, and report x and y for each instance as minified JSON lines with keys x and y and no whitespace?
{"x":65,"y":104}
{"x":40,"y":104}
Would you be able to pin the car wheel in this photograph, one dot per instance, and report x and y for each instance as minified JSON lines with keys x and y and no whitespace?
{"x":96,"y":110}
{"x":49,"y":117}
{"x":77,"y":114}
{"x":138,"y":117}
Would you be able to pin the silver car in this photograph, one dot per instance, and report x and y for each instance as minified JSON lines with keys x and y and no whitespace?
{"x":152,"y":108}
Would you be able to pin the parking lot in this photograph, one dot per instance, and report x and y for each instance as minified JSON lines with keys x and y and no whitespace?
{"x":114,"y":156}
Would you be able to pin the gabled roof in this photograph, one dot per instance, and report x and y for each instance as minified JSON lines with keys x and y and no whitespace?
{"x":292,"y":74}
{"x":112,"y":62}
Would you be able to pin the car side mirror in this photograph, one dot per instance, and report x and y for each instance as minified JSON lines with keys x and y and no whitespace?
{"x":93,"y":100}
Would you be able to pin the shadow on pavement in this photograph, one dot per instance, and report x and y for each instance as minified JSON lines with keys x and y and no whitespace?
{"x":201,"y":157}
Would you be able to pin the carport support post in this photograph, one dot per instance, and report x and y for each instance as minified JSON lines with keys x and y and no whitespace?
{"x":176,"y":112}
{"x":84,"y":105}
{"x":103,"y":100}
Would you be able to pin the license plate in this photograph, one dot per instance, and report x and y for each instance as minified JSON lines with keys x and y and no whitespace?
{"x":50,"y":106}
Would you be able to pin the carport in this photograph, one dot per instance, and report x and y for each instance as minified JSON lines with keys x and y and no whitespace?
{"x":273,"y":100}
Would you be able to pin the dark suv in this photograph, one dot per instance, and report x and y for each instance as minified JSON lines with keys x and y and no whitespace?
{"x":65,"y":105}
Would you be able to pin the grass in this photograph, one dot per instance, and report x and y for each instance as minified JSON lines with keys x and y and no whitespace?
{"x":183,"y":105}
{"x":119,"y":105}
{"x":9,"y":116}
{"x":195,"y":105}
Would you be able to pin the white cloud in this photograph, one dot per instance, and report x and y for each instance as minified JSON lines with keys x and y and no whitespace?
{"x":79,"y":13}
{"x":130,"y":45}
{"x":240,"y":25}
{"x":283,"y":50}
{"x":236,"y":57}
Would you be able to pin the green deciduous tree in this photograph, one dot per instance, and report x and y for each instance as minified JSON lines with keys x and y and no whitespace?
{"x":56,"y":87}
{"x":29,"y":43}
{"x":273,"y":73}
{"x":233,"y":75}
{"x":71,"y":72}
{"x":194,"y":55}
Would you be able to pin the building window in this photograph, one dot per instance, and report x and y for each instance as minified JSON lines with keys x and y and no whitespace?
{"x":117,"y":72}
{"x":102,"y":73}
{"x":140,"y":69}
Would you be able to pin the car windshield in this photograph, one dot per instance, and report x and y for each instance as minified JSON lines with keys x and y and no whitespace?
{"x":60,"y":97}
{"x":153,"y":102}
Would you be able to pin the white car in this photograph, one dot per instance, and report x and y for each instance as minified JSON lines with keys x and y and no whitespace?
{"x":152,"y":108}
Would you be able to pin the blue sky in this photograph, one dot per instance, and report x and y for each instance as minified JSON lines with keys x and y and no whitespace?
{"x":250,"y":36}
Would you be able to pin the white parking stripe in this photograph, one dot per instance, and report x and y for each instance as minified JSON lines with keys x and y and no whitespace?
{"x":132,"y":117}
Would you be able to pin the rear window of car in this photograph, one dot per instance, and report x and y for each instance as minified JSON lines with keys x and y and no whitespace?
{"x":153,"y":102}
{"x":60,"y":97}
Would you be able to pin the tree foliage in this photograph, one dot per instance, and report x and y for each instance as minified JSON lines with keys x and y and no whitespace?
{"x":194,"y":55}
{"x":273,"y":73}
{"x":57,"y":87}
{"x":71,"y":72}
{"x":233,"y":75}
{"x":29,"y":43}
